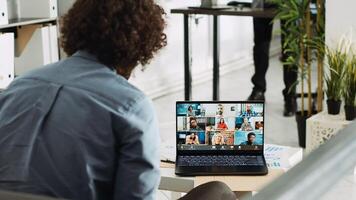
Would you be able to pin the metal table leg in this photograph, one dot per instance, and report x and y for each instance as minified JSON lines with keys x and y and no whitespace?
{"x":216,"y":54}
{"x":187,"y":61}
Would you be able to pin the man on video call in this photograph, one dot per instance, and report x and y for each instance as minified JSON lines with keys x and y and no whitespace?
{"x":194,"y":124}
{"x":251,"y":137}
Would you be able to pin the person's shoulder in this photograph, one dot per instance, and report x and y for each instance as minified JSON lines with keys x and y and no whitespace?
{"x":95,"y":79}
{"x":41,"y":72}
{"x":123,"y":93}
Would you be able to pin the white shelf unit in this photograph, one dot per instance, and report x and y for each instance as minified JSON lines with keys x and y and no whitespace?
{"x":34,"y":40}
{"x":22,"y":9}
{"x":27,"y":21}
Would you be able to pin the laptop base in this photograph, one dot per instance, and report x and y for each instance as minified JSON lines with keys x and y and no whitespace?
{"x":213,"y":170}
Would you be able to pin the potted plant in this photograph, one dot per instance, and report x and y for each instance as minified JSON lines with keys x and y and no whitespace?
{"x":349,"y":92}
{"x":336,"y":61}
{"x":300,"y":32}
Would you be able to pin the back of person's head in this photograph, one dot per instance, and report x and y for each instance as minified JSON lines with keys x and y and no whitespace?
{"x":120,"y":33}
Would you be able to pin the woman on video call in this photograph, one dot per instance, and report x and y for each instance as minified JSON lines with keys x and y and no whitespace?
{"x":218,"y":139}
{"x":221,"y":124}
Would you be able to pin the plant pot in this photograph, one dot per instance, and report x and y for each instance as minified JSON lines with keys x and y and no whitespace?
{"x":301,"y":125}
{"x":333,"y":106}
{"x":350,"y":112}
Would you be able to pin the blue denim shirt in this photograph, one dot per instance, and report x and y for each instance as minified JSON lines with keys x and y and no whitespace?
{"x":77,"y":130}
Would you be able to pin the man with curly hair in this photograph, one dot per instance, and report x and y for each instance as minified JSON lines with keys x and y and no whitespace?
{"x":77,"y":129}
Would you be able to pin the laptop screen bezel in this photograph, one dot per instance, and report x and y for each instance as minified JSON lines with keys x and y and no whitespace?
{"x":220,"y":152}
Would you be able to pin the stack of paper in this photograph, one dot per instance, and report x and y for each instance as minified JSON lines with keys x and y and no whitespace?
{"x":168,"y":151}
{"x":282,"y":157}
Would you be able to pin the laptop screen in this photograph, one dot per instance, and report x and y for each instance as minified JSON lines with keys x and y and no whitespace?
{"x":219,"y":125}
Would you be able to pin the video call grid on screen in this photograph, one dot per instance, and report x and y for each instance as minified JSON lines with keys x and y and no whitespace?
{"x":220,"y":126}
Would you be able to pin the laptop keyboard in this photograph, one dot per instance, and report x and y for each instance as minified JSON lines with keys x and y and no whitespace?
{"x":214,"y":160}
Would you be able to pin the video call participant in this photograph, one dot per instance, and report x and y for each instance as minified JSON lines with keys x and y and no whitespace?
{"x":220,"y":110}
{"x":190,"y":111}
{"x":218,"y":139}
{"x":259,"y":125}
{"x":194,"y":124}
{"x":221,"y":124}
{"x":192,"y":139}
{"x":246,"y":126}
{"x":251,"y":137}
{"x":249,"y":111}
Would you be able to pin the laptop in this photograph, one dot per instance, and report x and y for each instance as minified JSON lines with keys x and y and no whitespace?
{"x":220,"y":138}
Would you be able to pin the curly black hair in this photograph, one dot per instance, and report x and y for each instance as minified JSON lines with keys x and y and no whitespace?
{"x":120,"y":33}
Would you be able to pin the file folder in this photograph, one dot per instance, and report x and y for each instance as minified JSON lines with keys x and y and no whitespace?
{"x":53,"y":41}
{"x":37,"y":51}
{"x":7,"y":54}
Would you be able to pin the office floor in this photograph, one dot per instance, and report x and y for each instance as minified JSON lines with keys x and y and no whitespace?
{"x":237,"y":86}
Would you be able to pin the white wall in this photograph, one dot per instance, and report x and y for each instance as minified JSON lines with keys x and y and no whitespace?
{"x":165,"y":73}
{"x":340,"y":20}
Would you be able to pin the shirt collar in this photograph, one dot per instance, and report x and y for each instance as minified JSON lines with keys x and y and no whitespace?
{"x":86,"y":55}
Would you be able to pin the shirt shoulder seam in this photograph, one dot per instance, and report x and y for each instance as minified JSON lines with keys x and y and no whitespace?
{"x":130,"y":107}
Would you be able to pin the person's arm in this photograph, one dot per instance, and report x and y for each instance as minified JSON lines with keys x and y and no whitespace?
{"x":137,"y":175}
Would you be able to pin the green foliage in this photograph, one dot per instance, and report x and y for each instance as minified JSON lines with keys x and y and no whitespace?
{"x":304,"y":36}
{"x":349,"y":92}
{"x":292,"y":13}
{"x":336,"y":61}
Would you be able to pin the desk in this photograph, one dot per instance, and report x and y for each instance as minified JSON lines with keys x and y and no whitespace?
{"x":233,"y":11}
{"x":244,"y":185}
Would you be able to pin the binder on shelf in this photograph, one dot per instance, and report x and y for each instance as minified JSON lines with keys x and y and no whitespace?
{"x":53,"y":41}
{"x":4,"y":14}
{"x":7,"y":54}
{"x":38,"y":9}
{"x":12,"y":9}
{"x":46,"y":46}
{"x":40,"y":49}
